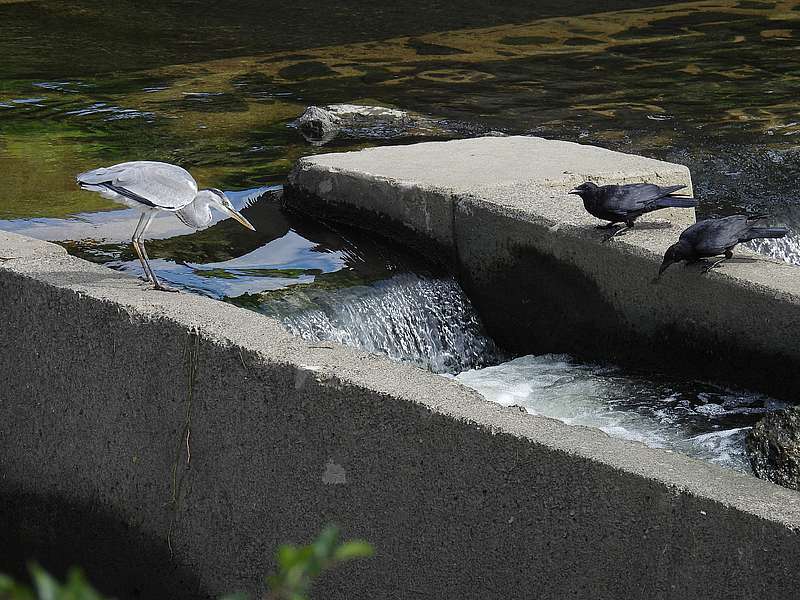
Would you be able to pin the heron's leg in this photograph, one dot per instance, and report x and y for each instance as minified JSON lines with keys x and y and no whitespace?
{"x":135,"y":243}
{"x":156,"y":283}
{"x":616,"y":233}
{"x":139,"y":245}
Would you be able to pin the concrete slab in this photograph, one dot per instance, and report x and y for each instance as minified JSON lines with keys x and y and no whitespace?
{"x":533,"y":263}
{"x":168,"y":443}
{"x":416,"y":184}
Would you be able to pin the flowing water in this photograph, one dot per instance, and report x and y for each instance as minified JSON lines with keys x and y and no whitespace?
{"x":711,"y":84}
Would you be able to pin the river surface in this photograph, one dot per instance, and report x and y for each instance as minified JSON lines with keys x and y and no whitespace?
{"x":710,"y":84}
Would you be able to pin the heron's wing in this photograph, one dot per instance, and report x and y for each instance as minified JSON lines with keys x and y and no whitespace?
{"x":635,"y":196}
{"x":154,"y":184}
{"x":715,"y":235}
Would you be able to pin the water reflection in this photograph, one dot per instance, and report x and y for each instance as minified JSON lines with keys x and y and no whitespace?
{"x":228,"y":262}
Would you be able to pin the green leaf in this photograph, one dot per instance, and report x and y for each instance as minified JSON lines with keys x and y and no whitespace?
{"x":6,"y":583}
{"x":287,"y":556}
{"x":326,"y":542}
{"x":78,"y":588}
{"x":11,"y":590}
{"x":47,"y":587}
{"x":353,"y":549}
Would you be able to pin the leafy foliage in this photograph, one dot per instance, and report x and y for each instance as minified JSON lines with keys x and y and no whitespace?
{"x":47,"y":587}
{"x":298,"y":567}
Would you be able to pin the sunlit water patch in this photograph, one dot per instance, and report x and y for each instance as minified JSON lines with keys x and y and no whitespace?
{"x":693,"y":418}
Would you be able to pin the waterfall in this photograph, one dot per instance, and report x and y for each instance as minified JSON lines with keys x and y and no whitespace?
{"x":786,"y":249}
{"x":424,"y":320}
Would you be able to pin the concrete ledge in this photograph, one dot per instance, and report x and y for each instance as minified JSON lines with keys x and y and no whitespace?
{"x":102,"y":379}
{"x":531,"y":260}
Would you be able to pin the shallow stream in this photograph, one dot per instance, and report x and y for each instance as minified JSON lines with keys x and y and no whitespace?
{"x":710,"y":84}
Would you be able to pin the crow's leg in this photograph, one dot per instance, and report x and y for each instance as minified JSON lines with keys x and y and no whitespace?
{"x":714,"y":265}
{"x":606,"y":226}
{"x":616,"y":233}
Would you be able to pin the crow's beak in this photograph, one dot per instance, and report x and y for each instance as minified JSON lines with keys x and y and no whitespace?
{"x":239,"y":217}
{"x":664,"y":266}
{"x":574,"y":192}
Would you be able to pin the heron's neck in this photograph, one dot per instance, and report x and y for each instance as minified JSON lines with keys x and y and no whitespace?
{"x":197,"y":213}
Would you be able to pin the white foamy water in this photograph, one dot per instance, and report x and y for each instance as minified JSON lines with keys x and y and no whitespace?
{"x":696,"y":419}
{"x":786,"y":248}
{"x":427,"y":321}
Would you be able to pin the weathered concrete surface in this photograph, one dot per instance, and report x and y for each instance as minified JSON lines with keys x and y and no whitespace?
{"x":461,"y":497}
{"x":531,"y":260}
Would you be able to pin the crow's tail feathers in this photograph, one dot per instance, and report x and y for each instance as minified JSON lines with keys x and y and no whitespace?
{"x":671,"y":189}
{"x":676,"y":202}
{"x":766,"y":232}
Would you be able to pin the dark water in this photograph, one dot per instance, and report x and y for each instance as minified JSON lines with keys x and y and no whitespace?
{"x":713,"y":85}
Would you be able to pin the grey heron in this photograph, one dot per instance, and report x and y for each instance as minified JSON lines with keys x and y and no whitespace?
{"x":150,"y":187}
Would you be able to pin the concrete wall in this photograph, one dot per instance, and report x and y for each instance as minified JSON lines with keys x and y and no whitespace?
{"x":101,"y":379}
{"x":532,"y":262}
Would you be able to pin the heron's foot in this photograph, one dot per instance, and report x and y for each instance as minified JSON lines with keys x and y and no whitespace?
{"x":163,"y":287}
{"x":145,"y":278}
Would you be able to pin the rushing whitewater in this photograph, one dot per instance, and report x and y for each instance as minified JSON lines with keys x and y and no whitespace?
{"x":697,"y":419}
{"x":426,"y":321}
{"x":786,"y":249}
{"x":430,"y":322}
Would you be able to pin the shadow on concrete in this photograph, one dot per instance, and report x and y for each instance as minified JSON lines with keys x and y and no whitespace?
{"x":118,"y":560}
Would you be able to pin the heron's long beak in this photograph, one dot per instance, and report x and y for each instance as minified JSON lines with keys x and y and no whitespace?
{"x":239,"y":217}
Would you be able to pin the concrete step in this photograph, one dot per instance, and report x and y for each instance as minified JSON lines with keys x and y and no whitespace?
{"x":535,"y":266}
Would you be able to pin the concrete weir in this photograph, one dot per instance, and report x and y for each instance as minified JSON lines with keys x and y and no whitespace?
{"x":533,"y":264}
{"x":169,"y":442}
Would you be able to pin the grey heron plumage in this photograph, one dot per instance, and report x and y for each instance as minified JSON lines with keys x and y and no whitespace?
{"x":150,"y":187}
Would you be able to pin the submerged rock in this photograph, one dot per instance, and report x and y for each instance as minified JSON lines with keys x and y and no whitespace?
{"x":319,"y":125}
{"x":773,"y":448}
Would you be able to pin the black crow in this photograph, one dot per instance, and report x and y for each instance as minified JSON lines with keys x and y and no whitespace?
{"x":715,"y":237}
{"x":625,"y":203}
